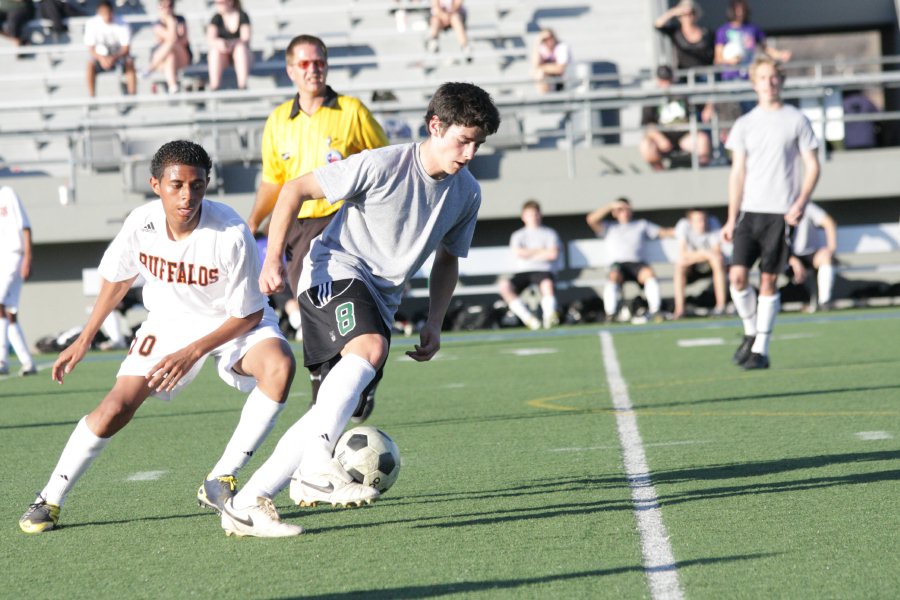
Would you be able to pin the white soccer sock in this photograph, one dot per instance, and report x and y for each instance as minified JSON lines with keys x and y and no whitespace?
{"x":80,"y":451}
{"x":766,"y":311}
{"x":548,"y":309}
{"x":745,"y":304}
{"x":304,"y":437}
{"x":294,"y":319}
{"x":651,"y":290}
{"x":20,"y":346}
{"x":257,"y":419}
{"x":112,"y":327}
{"x":338,"y":398}
{"x":4,"y":341}
{"x":520,"y":310}
{"x":825,"y":280}
{"x":612,"y":295}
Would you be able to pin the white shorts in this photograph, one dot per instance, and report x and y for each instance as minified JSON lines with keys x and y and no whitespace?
{"x":159,"y":337}
{"x":11,"y":281}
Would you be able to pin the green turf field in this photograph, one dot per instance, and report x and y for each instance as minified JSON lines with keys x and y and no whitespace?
{"x":777,"y":484}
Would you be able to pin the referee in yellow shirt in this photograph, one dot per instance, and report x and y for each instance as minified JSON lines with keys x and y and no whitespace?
{"x":317,"y":126}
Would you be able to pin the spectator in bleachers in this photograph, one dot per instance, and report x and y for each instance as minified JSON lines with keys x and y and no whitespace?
{"x":859,"y":134}
{"x":694,"y":45}
{"x":228,"y":37}
{"x":699,"y":256}
{"x":316,"y":127}
{"x":14,"y":14}
{"x":15,"y":267}
{"x":536,"y":249}
{"x":738,"y":41}
{"x":172,"y":51}
{"x":56,"y":11}
{"x":625,"y":238}
{"x":813,"y":248}
{"x":108,"y":39}
{"x":448,"y":14}
{"x":662,"y":135}
{"x":549,"y":61}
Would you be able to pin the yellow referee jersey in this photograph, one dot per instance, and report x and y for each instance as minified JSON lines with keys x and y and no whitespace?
{"x":294,"y":143}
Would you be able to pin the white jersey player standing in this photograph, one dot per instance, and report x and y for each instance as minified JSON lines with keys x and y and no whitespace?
{"x":200,"y":265}
{"x":766,"y":196}
{"x":15,"y":267}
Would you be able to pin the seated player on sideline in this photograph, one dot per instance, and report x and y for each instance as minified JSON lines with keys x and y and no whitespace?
{"x":200,"y":266}
{"x":809,"y":252}
{"x":403,"y":203}
{"x":699,"y":255}
{"x":625,"y":238}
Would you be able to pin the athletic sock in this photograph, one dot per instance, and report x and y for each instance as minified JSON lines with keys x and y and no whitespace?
{"x":257,"y":419}
{"x":338,"y":398}
{"x":548,"y":309}
{"x":80,"y":451}
{"x":825,"y":280}
{"x":20,"y":346}
{"x":767,"y":310}
{"x":612,"y":295}
{"x":745,"y":304}
{"x":303,"y":441}
{"x":294,"y":319}
{"x":112,"y":327}
{"x":651,"y":290}
{"x":4,"y":341}
{"x":520,"y":310}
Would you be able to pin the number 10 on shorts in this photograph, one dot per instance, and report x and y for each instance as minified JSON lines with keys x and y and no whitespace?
{"x":346,"y":320}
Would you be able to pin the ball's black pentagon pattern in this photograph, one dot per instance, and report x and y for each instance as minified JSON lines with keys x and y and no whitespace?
{"x":386,"y":463}
{"x":357,"y":441}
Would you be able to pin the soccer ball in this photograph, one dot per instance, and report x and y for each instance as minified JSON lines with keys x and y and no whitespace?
{"x":369,"y":456}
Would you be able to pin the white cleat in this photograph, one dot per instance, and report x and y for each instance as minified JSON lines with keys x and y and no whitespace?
{"x":261,"y":520}
{"x":333,"y":486}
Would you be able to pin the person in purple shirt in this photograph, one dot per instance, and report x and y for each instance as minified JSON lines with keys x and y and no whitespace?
{"x":738,"y":41}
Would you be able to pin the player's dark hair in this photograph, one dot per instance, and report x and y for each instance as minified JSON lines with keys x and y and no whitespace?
{"x":463,"y":104}
{"x":179,"y":152}
{"x":306,"y":39}
{"x":531,"y":203}
{"x":107,"y":3}
{"x":624,"y":200}
{"x":731,"y":11}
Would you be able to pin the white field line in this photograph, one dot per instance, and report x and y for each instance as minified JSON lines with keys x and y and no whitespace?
{"x":616,"y":447}
{"x":699,"y":342}
{"x":869,"y":436}
{"x":659,"y":561}
{"x":146,"y":476}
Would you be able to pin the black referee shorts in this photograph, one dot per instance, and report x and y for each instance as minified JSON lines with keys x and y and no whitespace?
{"x":764,"y":237}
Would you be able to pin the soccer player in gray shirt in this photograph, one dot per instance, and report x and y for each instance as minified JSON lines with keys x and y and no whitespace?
{"x":402,"y":203}
{"x":536,"y":248}
{"x":767,"y":195}
{"x":810,"y":252}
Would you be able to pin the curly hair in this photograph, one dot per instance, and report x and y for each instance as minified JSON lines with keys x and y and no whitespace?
{"x":463,"y":104}
{"x":179,"y":152}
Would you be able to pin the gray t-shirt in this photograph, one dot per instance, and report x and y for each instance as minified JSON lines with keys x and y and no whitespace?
{"x":394,"y":217}
{"x":772,"y":141}
{"x":807,"y":234}
{"x":625,"y":243}
{"x":699,"y":241}
{"x":534,"y":239}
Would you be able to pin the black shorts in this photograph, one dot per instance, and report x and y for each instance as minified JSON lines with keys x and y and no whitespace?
{"x":698,"y":271}
{"x":761,"y":236}
{"x":335,"y":313}
{"x":629,"y":270}
{"x":299,"y":237}
{"x":119,"y":65}
{"x":520,"y":281}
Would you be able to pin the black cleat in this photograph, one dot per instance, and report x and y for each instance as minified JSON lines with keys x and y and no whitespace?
{"x":743,"y":352}
{"x":365,"y":407}
{"x":756,"y":361}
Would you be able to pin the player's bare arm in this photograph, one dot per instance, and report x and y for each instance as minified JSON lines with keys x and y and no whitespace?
{"x":444,"y":275}
{"x":595,"y":218}
{"x":292,"y":195}
{"x":263,"y":205}
{"x":111,"y":293}
{"x":168,"y":372}
{"x":26,"y":253}
{"x":735,"y":193}
{"x":810,"y":178}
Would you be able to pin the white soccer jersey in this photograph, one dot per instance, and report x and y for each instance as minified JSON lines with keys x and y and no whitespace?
{"x":209,"y":276}
{"x":625,"y":243}
{"x":807,"y":234}
{"x":699,"y":241}
{"x":12,"y":221}
{"x":537,"y":238}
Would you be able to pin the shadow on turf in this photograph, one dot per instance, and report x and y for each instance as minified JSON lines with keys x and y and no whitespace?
{"x":823,"y":392}
{"x":167,"y":415}
{"x":462,"y":587}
